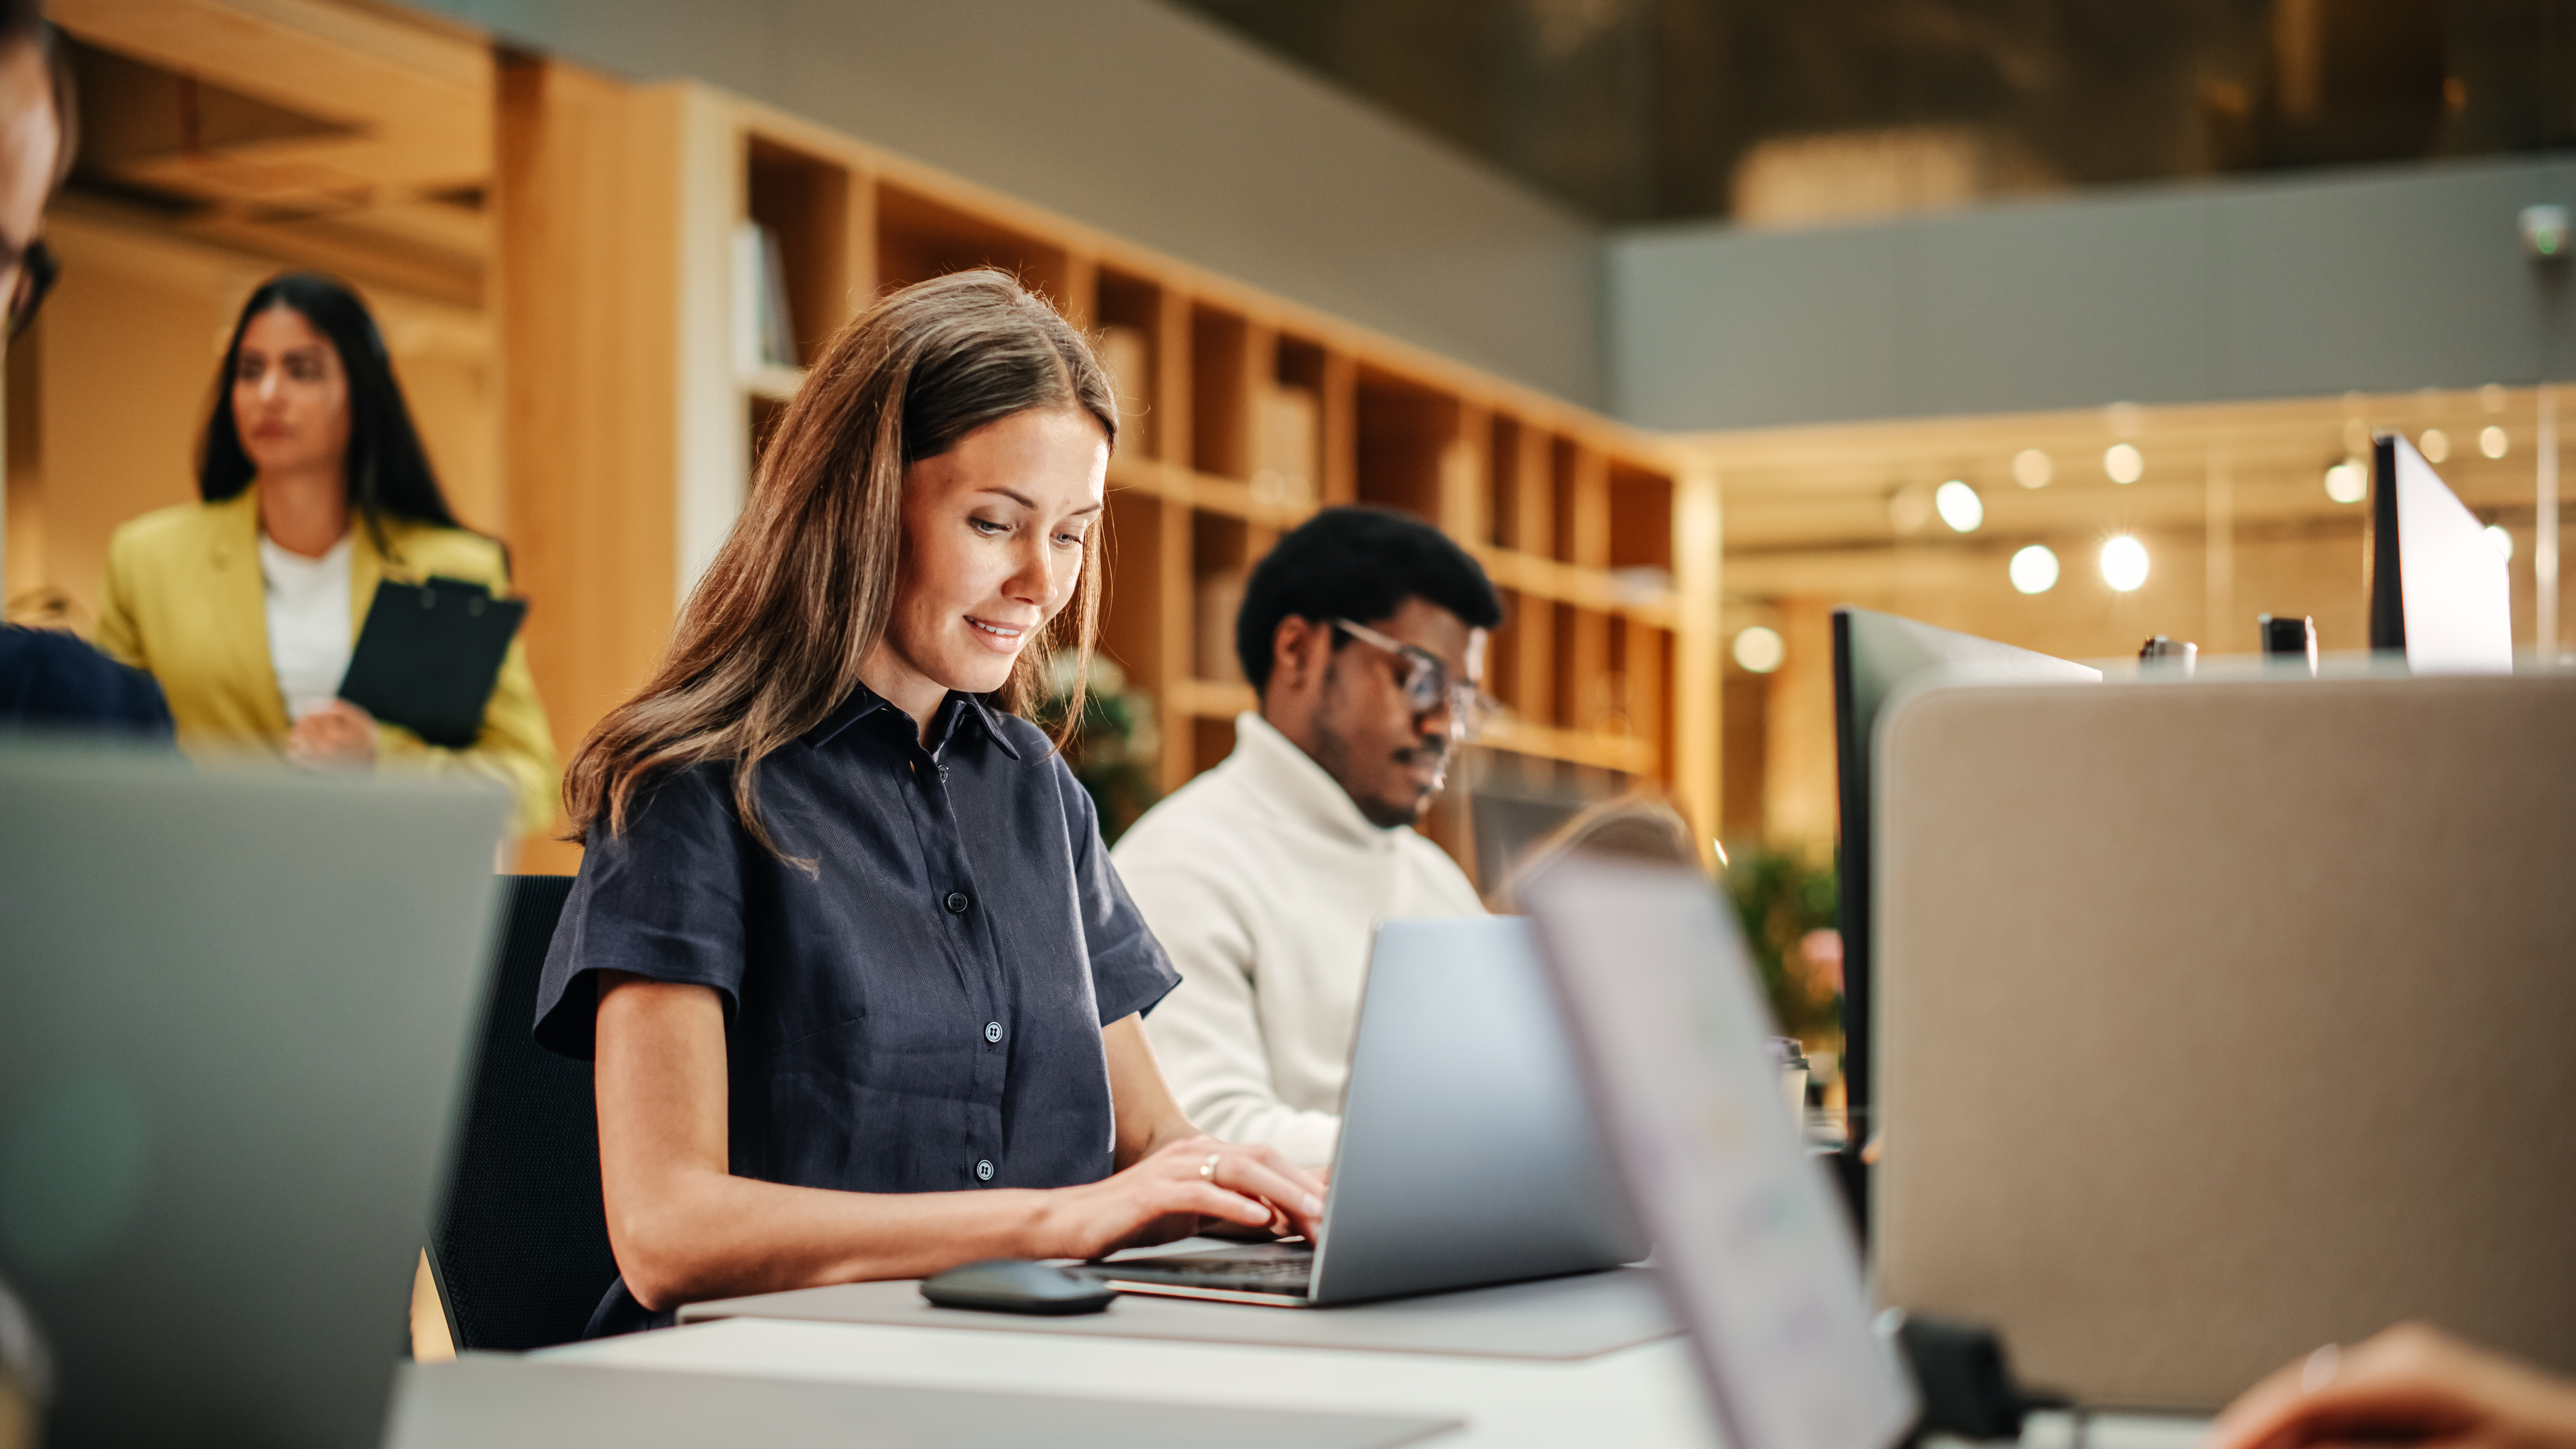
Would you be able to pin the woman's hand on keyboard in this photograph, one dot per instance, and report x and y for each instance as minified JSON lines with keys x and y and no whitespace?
{"x":1181,"y":1189}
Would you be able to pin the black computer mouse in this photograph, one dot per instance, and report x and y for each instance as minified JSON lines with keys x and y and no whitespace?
{"x":1016,"y":1285}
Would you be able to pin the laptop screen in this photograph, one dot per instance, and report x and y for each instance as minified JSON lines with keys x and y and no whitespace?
{"x":1750,"y":1245}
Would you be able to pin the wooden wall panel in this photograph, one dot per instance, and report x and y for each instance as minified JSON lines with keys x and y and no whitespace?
{"x":587,"y":273}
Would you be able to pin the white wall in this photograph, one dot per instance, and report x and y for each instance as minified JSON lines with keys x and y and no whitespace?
{"x":2380,"y":280}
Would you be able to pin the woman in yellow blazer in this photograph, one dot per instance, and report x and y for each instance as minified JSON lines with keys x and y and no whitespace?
{"x":245,"y":606}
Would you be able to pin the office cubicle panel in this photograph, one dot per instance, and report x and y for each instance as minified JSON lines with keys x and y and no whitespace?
{"x":2224,"y":1020}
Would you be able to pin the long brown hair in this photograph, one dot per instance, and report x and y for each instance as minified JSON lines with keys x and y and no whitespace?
{"x":771,"y":639}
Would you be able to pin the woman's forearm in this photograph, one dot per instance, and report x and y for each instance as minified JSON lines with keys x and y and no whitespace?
{"x":685,"y":1229}
{"x":693,"y":1235}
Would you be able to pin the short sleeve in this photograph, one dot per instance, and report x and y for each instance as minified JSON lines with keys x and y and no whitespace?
{"x":1129,"y":970}
{"x":663,"y":899}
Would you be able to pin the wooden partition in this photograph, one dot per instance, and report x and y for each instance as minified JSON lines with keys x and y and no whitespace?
{"x":629,"y":328}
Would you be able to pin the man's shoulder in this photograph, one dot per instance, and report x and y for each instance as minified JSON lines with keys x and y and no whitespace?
{"x":1426,"y":856}
{"x":1208,"y":812}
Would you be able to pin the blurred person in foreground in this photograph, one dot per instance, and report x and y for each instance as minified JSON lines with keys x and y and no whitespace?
{"x":1364,"y":633}
{"x":2410,"y":1384}
{"x":247,"y":605}
{"x":49,"y":681}
{"x":860,"y":984}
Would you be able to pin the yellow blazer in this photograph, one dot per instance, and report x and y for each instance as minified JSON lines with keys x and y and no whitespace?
{"x":185,"y":602}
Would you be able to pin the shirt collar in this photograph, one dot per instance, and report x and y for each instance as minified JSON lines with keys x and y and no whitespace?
{"x":957,"y":709}
{"x":1291,"y":778}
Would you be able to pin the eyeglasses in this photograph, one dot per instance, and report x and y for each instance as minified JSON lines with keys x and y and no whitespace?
{"x":36,"y":273}
{"x":1427,"y":685}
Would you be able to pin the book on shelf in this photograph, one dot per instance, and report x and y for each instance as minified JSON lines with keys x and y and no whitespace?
{"x":1123,"y":353}
{"x":1219,"y":597}
{"x":764,"y":326}
{"x":1287,"y":445}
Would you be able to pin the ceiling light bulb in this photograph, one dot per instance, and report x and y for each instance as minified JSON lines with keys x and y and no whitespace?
{"x":2346,"y":483}
{"x":2435,"y":445}
{"x":2034,"y":569}
{"x":2032,"y":469}
{"x":1760,"y":650}
{"x":2124,"y":564}
{"x":2493,"y":442}
{"x":2502,"y":538}
{"x":2124,"y":463}
{"x":1960,"y":506}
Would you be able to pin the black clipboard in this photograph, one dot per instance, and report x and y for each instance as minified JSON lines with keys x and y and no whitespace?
{"x":429,"y":656}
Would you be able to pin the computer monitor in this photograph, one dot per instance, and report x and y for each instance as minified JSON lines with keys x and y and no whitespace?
{"x":1873,"y":654}
{"x":2439,"y":591}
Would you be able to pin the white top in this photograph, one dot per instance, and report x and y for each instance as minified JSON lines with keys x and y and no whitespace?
{"x":1264,"y":881}
{"x":308,"y":622}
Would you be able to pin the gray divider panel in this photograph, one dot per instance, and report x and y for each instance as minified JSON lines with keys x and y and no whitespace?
{"x":2219,"y":1020}
{"x":493,"y":1402}
{"x":1554,"y":1318}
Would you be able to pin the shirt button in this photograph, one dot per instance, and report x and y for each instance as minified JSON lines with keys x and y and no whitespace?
{"x":984,"y":1170}
{"x":992,"y":1031}
{"x":957,"y":903}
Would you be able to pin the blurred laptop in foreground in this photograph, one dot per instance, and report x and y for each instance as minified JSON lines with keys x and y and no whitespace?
{"x":1754,"y":1253}
{"x":232,"y":1010}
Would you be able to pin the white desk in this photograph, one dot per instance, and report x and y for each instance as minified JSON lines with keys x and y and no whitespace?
{"x":1645,"y":1397}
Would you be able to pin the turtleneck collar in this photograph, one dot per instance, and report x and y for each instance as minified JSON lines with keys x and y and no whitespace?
{"x":1290,"y":778}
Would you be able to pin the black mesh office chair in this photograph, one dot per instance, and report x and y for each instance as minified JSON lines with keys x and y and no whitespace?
{"x":520,"y":1246}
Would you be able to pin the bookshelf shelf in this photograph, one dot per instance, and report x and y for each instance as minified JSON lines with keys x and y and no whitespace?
{"x":1212,"y":698}
{"x":1241,"y":415}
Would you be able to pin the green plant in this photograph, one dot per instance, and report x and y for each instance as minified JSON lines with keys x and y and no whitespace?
{"x":1784,"y":904}
{"x":1114,"y":744}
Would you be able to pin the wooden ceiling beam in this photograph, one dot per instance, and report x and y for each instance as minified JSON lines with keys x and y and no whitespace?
{"x":421,"y":96}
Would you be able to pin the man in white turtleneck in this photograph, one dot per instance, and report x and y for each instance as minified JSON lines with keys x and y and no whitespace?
{"x":1364,"y":633}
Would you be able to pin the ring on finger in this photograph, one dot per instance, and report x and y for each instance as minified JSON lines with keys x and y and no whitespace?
{"x":1207,"y":1169}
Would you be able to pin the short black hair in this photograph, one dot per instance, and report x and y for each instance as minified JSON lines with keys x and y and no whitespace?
{"x":20,"y":21}
{"x":1359,"y":564}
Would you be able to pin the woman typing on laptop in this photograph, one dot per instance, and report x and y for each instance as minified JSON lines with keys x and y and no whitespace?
{"x":862,"y":987}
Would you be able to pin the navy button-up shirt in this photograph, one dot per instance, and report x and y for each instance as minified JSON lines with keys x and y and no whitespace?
{"x":920,"y":1013}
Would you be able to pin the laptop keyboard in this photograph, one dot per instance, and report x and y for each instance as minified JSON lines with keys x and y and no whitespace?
{"x":1285,"y":1274}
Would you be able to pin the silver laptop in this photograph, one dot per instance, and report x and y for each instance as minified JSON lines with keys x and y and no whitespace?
{"x":1467,"y":1153}
{"x":232,"y":1011}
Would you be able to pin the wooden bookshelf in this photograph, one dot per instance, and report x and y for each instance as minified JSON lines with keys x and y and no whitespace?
{"x":1242,"y":415}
